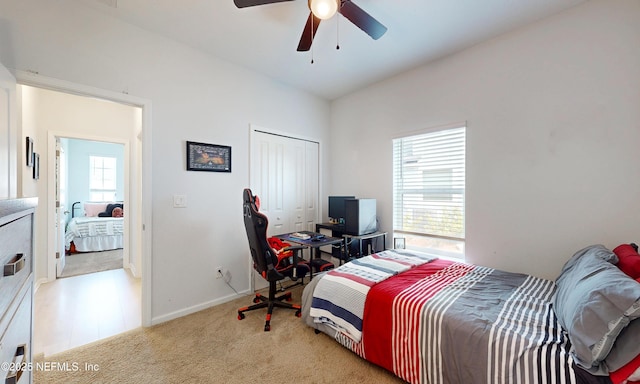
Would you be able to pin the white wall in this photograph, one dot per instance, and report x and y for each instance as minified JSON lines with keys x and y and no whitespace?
{"x":553,"y":117}
{"x":195,"y":97}
{"x":78,"y":153}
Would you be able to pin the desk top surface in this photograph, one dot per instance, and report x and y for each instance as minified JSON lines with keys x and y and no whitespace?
{"x":315,"y":240}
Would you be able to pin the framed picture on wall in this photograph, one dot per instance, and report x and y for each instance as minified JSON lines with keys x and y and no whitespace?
{"x":29,"y":154}
{"x":36,"y":166}
{"x":208,"y":157}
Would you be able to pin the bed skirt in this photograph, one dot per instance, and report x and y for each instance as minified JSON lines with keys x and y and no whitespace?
{"x":97,"y":243}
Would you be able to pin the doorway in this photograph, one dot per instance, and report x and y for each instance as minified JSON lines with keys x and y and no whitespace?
{"x":90,"y":184}
{"x":50,"y":130}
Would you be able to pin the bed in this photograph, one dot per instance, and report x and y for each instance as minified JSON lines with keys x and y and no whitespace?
{"x":431,"y":320}
{"x":98,"y":230}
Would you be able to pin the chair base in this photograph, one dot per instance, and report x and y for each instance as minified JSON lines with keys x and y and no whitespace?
{"x":270,"y":302}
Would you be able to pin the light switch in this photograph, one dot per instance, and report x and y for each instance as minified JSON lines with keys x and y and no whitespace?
{"x":179,"y":201}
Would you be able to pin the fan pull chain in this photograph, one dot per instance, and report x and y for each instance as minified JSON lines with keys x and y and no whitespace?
{"x":337,"y":32}
{"x":312,"y":36}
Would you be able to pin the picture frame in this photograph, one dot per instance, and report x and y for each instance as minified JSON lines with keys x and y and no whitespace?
{"x":29,"y":154}
{"x":36,"y":166}
{"x":208,"y":157}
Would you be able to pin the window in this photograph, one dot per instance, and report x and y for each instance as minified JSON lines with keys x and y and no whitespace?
{"x":102,"y":178}
{"x":429,"y":191}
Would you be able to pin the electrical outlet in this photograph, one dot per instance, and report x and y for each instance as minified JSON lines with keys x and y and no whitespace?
{"x":219,"y":273}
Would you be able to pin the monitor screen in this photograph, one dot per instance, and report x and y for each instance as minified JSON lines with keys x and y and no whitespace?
{"x":336,"y":206}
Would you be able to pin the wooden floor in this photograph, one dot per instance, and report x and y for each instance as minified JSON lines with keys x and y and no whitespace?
{"x":78,"y":310}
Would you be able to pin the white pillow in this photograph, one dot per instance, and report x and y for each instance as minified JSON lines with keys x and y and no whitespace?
{"x":92,"y":209}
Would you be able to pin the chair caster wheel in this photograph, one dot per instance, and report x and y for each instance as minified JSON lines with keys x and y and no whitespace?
{"x":256,"y":300}
{"x":267,"y":328}
{"x":240,"y":316}
{"x":299,"y":313}
{"x":288,"y":296}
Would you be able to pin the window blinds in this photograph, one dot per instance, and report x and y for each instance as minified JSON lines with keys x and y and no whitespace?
{"x":429,"y":184}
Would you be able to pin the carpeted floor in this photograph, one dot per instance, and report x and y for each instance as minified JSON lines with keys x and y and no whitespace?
{"x":213,"y":346}
{"x":90,"y":262}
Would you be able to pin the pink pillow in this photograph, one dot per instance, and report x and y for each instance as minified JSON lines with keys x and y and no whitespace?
{"x":629,"y":260}
{"x":92,"y":209}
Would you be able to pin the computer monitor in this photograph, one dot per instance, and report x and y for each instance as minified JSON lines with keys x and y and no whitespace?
{"x":336,"y":207}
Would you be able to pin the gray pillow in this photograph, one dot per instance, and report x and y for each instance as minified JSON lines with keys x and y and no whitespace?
{"x":594,"y":302}
{"x":626,"y":347}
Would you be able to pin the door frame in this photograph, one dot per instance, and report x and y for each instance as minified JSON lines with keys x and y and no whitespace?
{"x":143,"y":189}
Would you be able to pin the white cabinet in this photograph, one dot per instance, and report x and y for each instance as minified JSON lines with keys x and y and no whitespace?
{"x":16,"y":285}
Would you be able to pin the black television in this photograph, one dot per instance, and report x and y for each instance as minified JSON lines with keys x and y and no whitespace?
{"x":336,"y":207}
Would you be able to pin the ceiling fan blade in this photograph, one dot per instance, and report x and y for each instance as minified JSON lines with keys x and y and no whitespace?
{"x":362,"y":20}
{"x":307,"y":35}
{"x":251,"y":3}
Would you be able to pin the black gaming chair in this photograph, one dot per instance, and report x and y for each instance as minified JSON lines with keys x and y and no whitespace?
{"x":267,"y":263}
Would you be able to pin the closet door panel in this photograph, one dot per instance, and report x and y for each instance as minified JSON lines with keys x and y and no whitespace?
{"x":295,"y":185}
{"x":312,"y":187}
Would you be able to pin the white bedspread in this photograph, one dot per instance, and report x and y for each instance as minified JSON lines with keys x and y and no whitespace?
{"x":86,"y":227}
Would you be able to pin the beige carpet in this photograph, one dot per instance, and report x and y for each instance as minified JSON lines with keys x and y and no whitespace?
{"x":90,"y":262}
{"x":213,"y":346}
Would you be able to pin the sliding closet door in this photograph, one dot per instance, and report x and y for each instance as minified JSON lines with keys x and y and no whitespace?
{"x":294,"y":185}
{"x":284,"y":174}
{"x":268,"y":170}
{"x":312,"y":185}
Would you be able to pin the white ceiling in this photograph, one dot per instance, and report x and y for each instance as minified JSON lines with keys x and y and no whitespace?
{"x":264,"y":38}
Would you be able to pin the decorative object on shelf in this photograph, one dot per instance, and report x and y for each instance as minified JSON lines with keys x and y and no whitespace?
{"x":36,"y":166}
{"x":29,"y":155}
{"x":208,"y":157}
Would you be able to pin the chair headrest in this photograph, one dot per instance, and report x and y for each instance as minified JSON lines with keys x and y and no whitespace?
{"x":249,"y":200}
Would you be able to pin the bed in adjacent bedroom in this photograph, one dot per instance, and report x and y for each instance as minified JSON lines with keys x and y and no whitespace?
{"x":431,"y":320}
{"x":99,"y":230}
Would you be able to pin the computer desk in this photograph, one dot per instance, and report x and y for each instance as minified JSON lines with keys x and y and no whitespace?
{"x":313,"y":243}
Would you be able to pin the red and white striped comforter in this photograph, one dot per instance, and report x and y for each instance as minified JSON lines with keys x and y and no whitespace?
{"x":447,"y":322}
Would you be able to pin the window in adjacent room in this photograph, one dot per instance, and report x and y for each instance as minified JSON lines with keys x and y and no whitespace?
{"x":429,"y":191}
{"x":102,"y":178}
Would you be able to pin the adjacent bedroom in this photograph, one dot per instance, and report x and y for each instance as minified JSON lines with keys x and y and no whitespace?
{"x":94,"y":220}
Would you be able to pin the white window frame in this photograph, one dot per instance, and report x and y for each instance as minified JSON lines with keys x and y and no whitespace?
{"x":429,"y":173}
{"x":103,"y":174}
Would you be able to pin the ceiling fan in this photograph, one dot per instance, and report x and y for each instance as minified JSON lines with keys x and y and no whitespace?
{"x":323,"y":10}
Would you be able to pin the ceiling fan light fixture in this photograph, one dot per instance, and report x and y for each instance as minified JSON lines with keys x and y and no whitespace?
{"x":323,"y":9}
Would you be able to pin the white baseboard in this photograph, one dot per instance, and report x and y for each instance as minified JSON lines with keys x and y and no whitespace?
{"x":197,"y":308}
